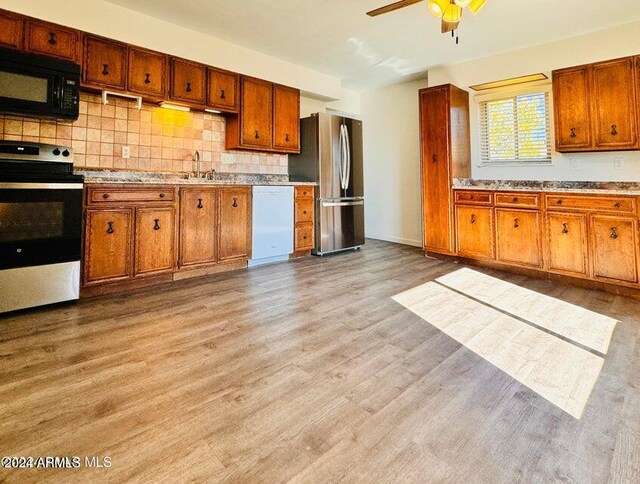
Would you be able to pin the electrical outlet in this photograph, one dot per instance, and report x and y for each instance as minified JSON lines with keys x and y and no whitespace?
{"x":575,"y":164}
{"x":618,"y":163}
{"x":126,"y":152}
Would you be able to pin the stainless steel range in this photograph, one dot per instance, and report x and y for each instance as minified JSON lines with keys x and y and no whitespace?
{"x":40,"y":225}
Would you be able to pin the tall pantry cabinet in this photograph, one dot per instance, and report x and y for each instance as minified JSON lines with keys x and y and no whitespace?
{"x":445,"y":155}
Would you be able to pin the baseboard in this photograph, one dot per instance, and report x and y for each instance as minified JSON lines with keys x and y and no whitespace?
{"x":397,"y":240}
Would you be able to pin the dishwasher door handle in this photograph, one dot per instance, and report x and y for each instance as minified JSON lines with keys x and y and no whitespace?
{"x":343,"y":204}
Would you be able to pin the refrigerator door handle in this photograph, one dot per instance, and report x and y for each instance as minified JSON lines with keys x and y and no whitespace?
{"x":343,"y":204}
{"x":343,"y":134}
{"x":348,"y":150}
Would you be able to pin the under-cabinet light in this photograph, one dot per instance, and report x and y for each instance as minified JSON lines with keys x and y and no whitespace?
{"x":175,"y":107}
{"x":213,"y":111}
{"x":509,"y":82}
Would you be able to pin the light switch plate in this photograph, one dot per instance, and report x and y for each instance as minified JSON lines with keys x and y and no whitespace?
{"x":575,"y":164}
{"x":126,"y":152}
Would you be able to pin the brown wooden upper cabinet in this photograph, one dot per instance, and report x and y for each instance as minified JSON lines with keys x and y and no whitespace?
{"x":253,"y":127}
{"x":595,"y":107}
{"x":572,"y":110}
{"x":147,"y":73}
{"x":11,"y":26}
{"x":188,"y":81}
{"x":223,"y":90}
{"x":52,"y":40}
{"x":105,"y":63}
{"x":286,"y":118}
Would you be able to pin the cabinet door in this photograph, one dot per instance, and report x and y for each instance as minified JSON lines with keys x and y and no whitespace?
{"x":11,"y":30}
{"x":303,"y":237}
{"x":434,"y":122}
{"x":518,"y":234}
{"x":256,"y":113}
{"x":571,"y":109}
{"x":108,"y":245}
{"x":52,"y":40}
{"x":223,"y":90}
{"x":474,"y":231}
{"x":614,"y":246}
{"x":147,"y":72}
{"x":198,"y":226}
{"x":188,"y":81}
{"x":155,"y":240}
{"x":234,"y":215}
{"x":105,"y":63}
{"x":286,"y":118}
{"x":614,"y":104}
{"x":567,"y":250}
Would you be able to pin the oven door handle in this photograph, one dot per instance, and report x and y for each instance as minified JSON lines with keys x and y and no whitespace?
{"x":41,"y":186}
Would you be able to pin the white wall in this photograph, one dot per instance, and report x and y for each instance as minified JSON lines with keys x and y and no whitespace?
{"x":601,"y":45}
{"x":104,"y":18}
{"x":392,"y":163}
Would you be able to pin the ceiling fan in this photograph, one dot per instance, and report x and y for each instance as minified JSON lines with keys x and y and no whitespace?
{"x":450,"y":11}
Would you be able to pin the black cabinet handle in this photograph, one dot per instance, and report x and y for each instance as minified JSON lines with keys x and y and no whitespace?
{"x":235,"y":202}
{"x":52,"y":38}
{"x":614,"y":129}
{"x":614,"y":233}
{"x":565,"y":228}
{"x":617,"y":205}
{"x":516,"y":223}
{"x":473,"y":219}
{"x":189,"y":87}
{"x":161,"y":195}
{"x":573,"y":132}
{"x":222,"y":94}
{"x":147,"y":78}
{"x":105,"y":69}
{"x":156,"y":224}
{"x":559,"y":202}
{"x":200,"y":203}
{"x":286,"y":138}
{"x":434,"y":158}
{"x":110,"y":228}
{"x":105,"y":196}
{"x":515,"y":199}
{"x":257,"y":134}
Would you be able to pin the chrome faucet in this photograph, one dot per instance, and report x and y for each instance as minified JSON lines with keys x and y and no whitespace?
{"x":196,"y":158}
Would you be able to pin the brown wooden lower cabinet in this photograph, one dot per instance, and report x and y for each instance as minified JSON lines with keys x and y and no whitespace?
{"x":474,"y":232}
{"x":567,"y":247}
{"x":108,"y":254}
{"x":198,"y":226}
{"x":518,"y":237}
{"x":155,"y":240}
{"x":615,"y":248}
{"x":234,"y":215}
{"x":304,"y":219}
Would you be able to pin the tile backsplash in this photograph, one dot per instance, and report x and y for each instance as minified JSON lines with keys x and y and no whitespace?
{"x":159,"y":139}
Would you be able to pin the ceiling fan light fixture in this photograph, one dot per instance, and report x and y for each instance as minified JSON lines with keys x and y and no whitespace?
{"x":438,"y":7}
{"x":452,"y":14}
{"x":462,"y":3}
{"x":476,"y":5}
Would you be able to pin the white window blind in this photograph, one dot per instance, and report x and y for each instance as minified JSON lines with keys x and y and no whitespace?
{"x":516,"y":129}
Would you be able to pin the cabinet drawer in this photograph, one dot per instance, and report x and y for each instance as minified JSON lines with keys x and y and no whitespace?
{"x":518,"y":200}
{"x":304,"y":191}
{"x":106,"y":195}
{"x":304,"y":210}
{"x":474,"y":198}
{"x":603,"y":204}
{"x":303,"y":237}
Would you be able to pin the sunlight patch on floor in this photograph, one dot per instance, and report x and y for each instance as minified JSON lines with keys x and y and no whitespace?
{"x":562,"y":373}
{"x":573,"y":322}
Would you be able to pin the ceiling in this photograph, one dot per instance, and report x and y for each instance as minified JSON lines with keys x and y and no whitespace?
{"x":336,"y":37}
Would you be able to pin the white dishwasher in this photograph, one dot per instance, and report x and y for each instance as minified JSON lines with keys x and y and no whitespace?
{"x":272,"y":225}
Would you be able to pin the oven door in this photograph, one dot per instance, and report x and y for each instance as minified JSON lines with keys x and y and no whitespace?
{"x":40,"y":223}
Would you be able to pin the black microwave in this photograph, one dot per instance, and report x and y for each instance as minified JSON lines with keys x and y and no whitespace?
{"x":38,"y":86}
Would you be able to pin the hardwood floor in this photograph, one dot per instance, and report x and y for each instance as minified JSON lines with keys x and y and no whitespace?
{"x":305,"y":372}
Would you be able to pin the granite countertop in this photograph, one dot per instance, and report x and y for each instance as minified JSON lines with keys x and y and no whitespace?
{"x":603,"y":188}
{"x":144,"y":178}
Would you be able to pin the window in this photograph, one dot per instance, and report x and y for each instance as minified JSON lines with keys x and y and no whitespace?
{"x":516,"y":129}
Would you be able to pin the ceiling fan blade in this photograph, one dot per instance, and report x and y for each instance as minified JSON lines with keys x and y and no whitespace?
{"x":391,"y":7}
{"x":449,"y":26}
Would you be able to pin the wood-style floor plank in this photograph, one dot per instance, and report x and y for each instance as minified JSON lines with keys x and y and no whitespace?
{"x":301,"y":372}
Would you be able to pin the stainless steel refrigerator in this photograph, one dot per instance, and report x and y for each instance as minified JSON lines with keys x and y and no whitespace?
{"x":331,"y":156}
